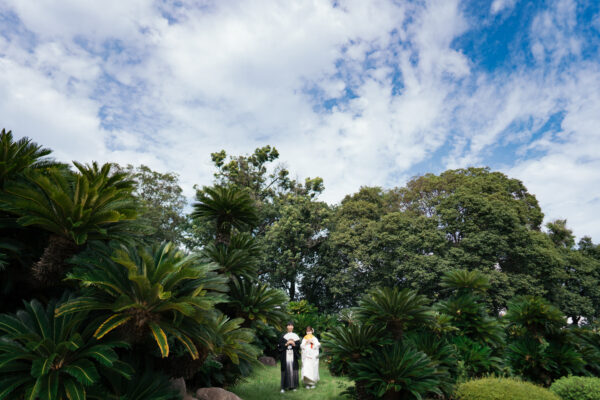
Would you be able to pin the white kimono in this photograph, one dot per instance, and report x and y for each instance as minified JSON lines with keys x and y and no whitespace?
{"x":310,"y":361}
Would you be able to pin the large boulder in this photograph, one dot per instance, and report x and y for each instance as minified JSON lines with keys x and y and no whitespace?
{"x":215,"y":394}
{"x":270,"y":361}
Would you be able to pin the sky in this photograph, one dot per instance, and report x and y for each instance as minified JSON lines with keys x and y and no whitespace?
{"x":358,"y":92}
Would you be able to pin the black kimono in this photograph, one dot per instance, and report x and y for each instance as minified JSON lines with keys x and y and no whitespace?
{"x":289,"y":356}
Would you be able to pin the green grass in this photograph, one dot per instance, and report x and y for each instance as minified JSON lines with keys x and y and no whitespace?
{"x":264,"y":385}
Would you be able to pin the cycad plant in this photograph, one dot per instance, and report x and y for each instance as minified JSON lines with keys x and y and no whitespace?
{"x":255,"y":301}
{"x":17,"y":156}
{"x":146,"y":384}
{"x":396,"y":309}
{"x":540,"y":348}
{"x":237,"y":259}
{"x":227,"y":207}
{"x":44,"y":356}
{"x":397,"y":371}
{"x":93,"y":203}
{"x":346,"y":344}
{"x":467,"y":309}
{"x":156,"y":292}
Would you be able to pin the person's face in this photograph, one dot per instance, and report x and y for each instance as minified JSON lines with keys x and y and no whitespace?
{"x":309,"y":331}
{"x":290,"y":328}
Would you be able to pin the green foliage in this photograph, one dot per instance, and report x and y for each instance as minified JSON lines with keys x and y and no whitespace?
{"x":20,"y":155}
{"x":475,"y":359}
{"x":291,"y":244}
{"x":226,"y":207}
{"x":52,"y":357}
{"x":150,"y":291}
{"x":237,"y":259}
{"x":540,"y":349}
{"x":95,"y":202}
{"x":535,"y":315}
{"x":502,"y":389}
{"x":161,"y":202}
{"x":255,"y":301}
{"x":397,"y":372}
{"x":464,"y":281}
{"x":396,"y":309}
{"x":577,"y":388}
{"x":146,"y":384}
{"x":352,"y":343}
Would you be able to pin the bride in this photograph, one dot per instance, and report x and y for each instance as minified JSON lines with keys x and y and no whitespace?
{"x":310,"y":358}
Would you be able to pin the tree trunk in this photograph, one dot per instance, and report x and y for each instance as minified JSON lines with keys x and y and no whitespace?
{"x":50,"y":269}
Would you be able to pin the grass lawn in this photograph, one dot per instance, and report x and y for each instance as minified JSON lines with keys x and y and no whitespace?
{"x":264,"y":385}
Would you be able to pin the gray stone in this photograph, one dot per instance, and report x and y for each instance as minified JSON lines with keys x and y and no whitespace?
{"x":270,"y":361}
{"x":215,"y":394}
{"x":179,"y":385}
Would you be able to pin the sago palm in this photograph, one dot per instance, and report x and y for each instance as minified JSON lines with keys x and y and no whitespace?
{"x":227,"y":207}
{"x":156,"y":292}
{"x":93,"y":203}
{"x":535,"y":315}
{"x":352,"y":343}
{"x":462,"y":280}
{"x":397,"y":371}
{"x":257,"y":301}
{"x":238,"y":259}
{"x":52,"y":357}
{"x":396,"y":309}
{"x":17,"y":156}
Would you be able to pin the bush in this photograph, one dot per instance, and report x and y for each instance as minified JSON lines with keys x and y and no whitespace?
{"x":501,"y":389}
{"x":577,"y":388}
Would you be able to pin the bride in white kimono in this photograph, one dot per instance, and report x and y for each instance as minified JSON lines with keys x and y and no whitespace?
{"x":310,"y":359}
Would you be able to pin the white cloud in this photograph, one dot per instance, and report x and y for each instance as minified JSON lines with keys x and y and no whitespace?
{"x":502,"y":5}
{"x":165,"y":85}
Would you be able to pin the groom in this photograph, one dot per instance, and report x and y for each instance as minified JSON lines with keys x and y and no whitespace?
{"x":289,"y":353}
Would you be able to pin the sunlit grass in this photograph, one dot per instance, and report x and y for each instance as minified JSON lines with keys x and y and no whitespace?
{"x":264,"y":385}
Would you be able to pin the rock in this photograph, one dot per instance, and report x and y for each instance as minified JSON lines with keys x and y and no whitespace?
{"x":188,"y":397}
{"x":179,"y":385}
{"x":270,"y":361}
{"x":215,"y":394}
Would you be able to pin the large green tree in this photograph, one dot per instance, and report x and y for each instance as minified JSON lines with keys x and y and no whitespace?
{"x":161,"y":202}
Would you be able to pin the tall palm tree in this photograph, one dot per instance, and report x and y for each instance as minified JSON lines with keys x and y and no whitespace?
{"x":93,"y":203}
{"x":227,"y":207}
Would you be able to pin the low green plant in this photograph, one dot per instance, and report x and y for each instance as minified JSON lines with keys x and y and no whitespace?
{"x":502,"y":389}
{"x":347,"y":344}
{"x":577,"y":388}
{"x":397,"y":371}
{"x":52,"y":357}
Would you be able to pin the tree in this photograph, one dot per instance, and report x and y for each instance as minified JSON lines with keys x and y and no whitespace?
{"x":21,"y":155}
{"x":93,"y":203}
{"x":226,"y":207}
{"x":291,"y":245}
{"x":161,"y":202}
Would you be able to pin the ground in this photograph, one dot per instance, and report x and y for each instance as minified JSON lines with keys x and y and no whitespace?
{"x":264,"y":385}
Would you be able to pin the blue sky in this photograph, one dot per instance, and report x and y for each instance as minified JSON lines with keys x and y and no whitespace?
{"x":358,"y":92}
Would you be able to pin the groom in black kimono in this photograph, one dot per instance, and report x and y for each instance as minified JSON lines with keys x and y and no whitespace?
{"x":289,"y":354}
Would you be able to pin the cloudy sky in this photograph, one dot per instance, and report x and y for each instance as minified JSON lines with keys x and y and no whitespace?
{"x":359,"y":92}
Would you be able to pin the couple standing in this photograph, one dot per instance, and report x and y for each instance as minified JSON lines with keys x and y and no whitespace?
{"x":289,"y":353}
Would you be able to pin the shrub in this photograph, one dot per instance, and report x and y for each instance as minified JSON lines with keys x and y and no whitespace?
{"x":577,"y":388}
{"x":501,"y":389}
